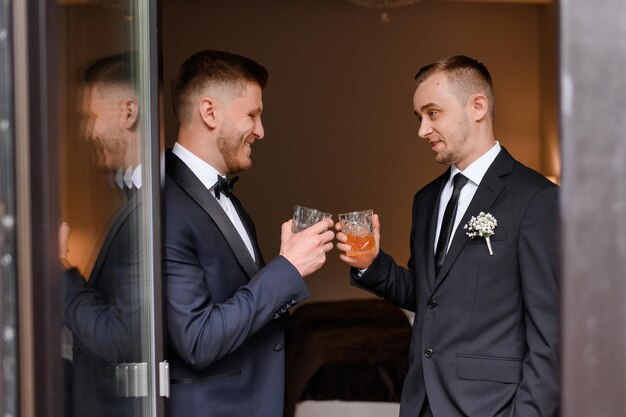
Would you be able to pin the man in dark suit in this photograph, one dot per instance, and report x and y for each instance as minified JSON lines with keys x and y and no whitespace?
{"x":104,"y":312}
{"x":225,"y":307}
{"x":486,"y":331}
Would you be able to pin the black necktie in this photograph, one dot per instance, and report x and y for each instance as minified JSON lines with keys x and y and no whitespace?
{"x":448,"y":221}
{"x":224,"y":186}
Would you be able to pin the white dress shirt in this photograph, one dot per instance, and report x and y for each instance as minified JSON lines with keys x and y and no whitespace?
{"x":208,"y":176}
{"x":474,"y":173}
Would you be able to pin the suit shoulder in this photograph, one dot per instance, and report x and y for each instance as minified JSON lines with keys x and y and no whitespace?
{"x":176,"y":201}
{"x":430,"y":189}
{"x":530,"y":178}
{"x":171,"y":189}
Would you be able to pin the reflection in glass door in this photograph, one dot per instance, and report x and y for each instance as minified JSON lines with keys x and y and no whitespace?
{"x":108,"y":183}
{"x":8,"y":276}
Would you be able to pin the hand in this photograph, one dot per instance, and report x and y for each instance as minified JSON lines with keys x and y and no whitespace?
{"x":64,"y":247}
{"x":306,"y":250}
{"x":361,"y":261}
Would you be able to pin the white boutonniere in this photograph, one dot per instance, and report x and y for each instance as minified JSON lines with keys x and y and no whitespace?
{"x":482,"y":226}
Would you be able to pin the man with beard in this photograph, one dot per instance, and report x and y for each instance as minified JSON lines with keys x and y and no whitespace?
{"x":225,"y":307}
{"x":103,"y":312}
{"x":482,"y":278}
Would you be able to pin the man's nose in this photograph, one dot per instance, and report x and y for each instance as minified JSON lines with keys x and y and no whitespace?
{"x":424,"y":130}
{"x":258,"y":131}
{"x":88,"y":129}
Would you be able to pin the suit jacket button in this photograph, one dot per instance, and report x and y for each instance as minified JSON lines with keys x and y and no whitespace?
{"x":278,"y":347}
{"x":428,"y":353}
{"x":432,"y":303}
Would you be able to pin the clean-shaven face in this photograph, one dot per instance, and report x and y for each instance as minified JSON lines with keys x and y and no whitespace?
{"x":241,"y":127}
{"x":443,"y":120}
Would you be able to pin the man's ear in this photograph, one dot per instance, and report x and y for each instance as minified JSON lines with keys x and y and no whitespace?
{"x":130,"y":107}
{"x":480,"y":106}
{"x":206,"y":107}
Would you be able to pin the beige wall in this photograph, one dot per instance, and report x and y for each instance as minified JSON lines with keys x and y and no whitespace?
{"x":340,"y":129}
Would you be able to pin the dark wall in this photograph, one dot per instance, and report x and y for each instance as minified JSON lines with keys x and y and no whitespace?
{"x":340,"y":129}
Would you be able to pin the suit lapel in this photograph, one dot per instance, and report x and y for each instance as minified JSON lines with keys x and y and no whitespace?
{"x":488,"y":191}
{"x":188,"y":181}
{"x":250,"y":229}
{"x":433,"y":208}
{"x":130,"y":206}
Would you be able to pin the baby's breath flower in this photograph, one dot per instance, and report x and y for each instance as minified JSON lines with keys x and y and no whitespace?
{"x":482,"y":226}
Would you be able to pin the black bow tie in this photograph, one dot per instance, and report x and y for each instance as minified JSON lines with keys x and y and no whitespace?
{"x":224,"y":186}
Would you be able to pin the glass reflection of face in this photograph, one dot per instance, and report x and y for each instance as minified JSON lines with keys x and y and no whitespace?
{"x":443,"y":119}
{"x":241,"y":127}
{"x":105,"y":127}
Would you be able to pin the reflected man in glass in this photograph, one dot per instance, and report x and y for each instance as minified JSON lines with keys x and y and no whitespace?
{"x":103,"y":312}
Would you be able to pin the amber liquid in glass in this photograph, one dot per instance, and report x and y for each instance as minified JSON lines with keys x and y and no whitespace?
{"x":360,"y":245}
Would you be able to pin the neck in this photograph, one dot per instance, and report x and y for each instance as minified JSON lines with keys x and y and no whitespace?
{"x":203,"y":146}
{"x":478,"y":146}
{"x":132,"y":157}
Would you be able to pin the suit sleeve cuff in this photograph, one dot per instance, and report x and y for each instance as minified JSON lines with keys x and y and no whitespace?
{"x":291,"y":284}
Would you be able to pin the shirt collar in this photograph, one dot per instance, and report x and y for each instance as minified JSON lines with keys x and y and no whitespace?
{"x":205,"y":172}
{"x":136,"y":177}
{"x":128,"y":177}
{"x":477,"y":169}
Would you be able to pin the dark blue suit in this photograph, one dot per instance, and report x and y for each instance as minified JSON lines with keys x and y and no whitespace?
{"x":104,"y":315}
{"x":224,"y":311}
{"x":486,"y":333}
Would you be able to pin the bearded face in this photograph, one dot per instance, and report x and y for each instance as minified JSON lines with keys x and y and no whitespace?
{"x":241,"y":127}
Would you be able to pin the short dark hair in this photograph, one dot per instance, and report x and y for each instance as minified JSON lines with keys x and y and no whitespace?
{"x":210,"y":67}
{"x":113,"y":69}
{"x":466,"y":75}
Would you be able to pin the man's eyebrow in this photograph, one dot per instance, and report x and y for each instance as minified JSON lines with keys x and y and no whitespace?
{"x":423,"y":108}
{"x":427,"y":106}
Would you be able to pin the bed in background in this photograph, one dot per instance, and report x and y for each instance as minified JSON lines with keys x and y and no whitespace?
{"x":346,"y":358}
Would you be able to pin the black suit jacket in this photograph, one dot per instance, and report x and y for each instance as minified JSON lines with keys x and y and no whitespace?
{"x":224,"y":312}
{"x":486,"y":333}
{"x":104,"y":315}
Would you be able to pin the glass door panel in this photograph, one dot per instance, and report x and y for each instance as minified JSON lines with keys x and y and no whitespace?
{"x":8,"y":273}
{"x":108,"y":185}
